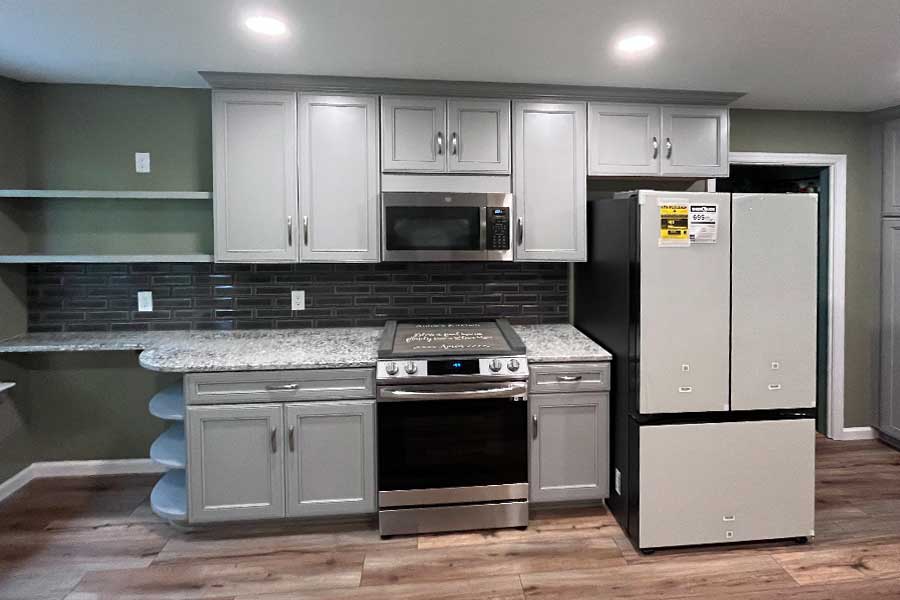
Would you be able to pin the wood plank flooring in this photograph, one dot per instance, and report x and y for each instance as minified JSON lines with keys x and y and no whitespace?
{"x":95,"y":538}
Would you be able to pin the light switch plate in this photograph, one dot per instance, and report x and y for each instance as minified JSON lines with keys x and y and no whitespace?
{"x":145,"y":301}
{"x":142,"y":162}
{"x":298,"y":300}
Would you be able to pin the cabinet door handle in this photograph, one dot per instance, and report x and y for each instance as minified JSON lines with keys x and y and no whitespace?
{"x":568,"y":378}
{"x":287,"y":387}
{"x":655,"y":145}
{"x":534,"y":427}
{"x":273,"y":440}
{"x":290,"y":226}
{"x":668,"y":148}
{"x":454,"y":143}
{"x":291,"y":438}
{"x":440,"y":143}
{"x":520,"y":230}
{"x":306,"y":231}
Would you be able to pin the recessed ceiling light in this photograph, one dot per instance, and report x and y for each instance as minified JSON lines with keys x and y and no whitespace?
{"x":266,"y":26}
{"x":635,"y":44}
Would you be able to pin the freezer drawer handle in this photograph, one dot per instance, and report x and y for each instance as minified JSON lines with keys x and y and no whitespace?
{"x":283,"y":388}
{"x":727,"y":518}
{"x":685,"y":389}
{"x":568,"y":378}
{"x":774,"y":386}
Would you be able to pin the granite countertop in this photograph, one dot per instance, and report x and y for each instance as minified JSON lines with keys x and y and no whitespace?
{"x":196,"y":351}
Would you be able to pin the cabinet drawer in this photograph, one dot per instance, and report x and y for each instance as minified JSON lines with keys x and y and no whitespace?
{"x":569,"y":377}
{"x":275,"y":386}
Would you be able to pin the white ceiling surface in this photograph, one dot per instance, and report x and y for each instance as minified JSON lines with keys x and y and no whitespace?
{"x":789,"y":54}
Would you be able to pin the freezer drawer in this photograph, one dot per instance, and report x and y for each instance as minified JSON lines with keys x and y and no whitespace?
{"x":726,"y":482}
{"x":684,"y":312}
{"x":773,"y":311}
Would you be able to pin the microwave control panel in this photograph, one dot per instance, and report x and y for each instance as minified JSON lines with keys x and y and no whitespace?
{"x":497,"y":228}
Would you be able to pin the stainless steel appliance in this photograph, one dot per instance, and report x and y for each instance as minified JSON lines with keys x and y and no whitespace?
{"x":432,"y":226}
{"x":452,"y":416}
{"x":707,"y":302}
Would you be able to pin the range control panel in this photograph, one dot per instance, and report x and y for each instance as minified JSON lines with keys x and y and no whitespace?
{"x":505,"y":366}
{"x":498,"y":228}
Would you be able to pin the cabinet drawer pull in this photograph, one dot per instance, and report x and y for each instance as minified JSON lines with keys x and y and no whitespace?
{"x":520,"y":231}
{"x":306,"y":231}
{"x":774,"y":386}
{"x":290,"y":226}
{"x":568,"y":378}
{"x":454,"y":144}
{"x":440,"y":143}
{"x":291,"y":438}
{"x":655,"y":146}
{"x":273,"y":440}
{"x":668,"y":148}
{"x":287,"y":387}
{"x":685,"y":389}
{"x":534,"y":427}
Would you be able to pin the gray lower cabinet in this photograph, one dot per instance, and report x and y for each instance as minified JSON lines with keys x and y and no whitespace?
{"x":889,"y":410}
{"x":330,"y":458}
{"x":235,"y":462}
{"x":569,"y":446}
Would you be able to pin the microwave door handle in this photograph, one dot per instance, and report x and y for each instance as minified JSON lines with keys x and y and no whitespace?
{"x":482,"y":229}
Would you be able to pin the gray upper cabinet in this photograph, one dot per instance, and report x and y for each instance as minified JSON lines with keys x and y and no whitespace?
{"x":624,"y":139}
{"x":569,"y":446}
{"x":436,"y":135}
{"x":414,"y":135}
{"x":891,"y":161}
{"x":339,"y":178}
{"x":235,"y":462}
{"x":255,"y":176}
{"x":694,"y":141}
{"x":889,"y":413}
{"x":478,"y":136}
{"x":330,"y":458}
{"x":550,"y":181}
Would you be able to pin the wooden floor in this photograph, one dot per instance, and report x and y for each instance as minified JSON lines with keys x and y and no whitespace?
{"x":87,"y":538}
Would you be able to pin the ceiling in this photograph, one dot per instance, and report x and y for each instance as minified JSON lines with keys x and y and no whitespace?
{"x":788,"y":54}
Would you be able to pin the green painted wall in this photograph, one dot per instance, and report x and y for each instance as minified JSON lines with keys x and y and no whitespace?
{"x":837,"y":133}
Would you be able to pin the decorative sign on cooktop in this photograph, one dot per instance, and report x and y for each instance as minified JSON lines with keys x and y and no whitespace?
{"x":449,"y":339}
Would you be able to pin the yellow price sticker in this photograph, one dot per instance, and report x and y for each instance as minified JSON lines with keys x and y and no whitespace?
{"x":673,"y":223}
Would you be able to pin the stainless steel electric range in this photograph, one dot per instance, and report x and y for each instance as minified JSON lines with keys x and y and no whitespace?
{"x":452,"y":416}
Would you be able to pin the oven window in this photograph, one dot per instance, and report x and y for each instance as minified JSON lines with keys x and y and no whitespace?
{"x":452,"y":443}
{"x":432,"y":228}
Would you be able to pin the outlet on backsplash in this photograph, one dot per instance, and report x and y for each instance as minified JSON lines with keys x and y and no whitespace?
{"x":298,"y":300}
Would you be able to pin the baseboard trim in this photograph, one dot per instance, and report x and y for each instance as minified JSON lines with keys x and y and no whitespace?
{"x":858,"y":433}
{"x":77,"y":468}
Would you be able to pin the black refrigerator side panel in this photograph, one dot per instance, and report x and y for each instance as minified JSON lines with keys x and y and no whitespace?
{"x":607,"y":302}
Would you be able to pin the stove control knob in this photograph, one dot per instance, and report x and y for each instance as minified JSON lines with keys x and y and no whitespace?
{"x":496,"y":365}
{"x":392,"y":368}
{"x":512,"y":365}
{"x":411,"y":368}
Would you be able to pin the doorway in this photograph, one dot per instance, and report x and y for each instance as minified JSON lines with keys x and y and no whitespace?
{"x":778,"y":179}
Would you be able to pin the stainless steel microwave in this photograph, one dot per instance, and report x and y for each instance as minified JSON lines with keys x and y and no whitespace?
{"x":436,"y":226}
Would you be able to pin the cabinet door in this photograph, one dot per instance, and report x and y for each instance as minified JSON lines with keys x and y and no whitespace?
{"x":255,"y":176}
{"x":891,"y":166}
{"x":889,"y":413}
{"x":726,"y":482}
{"x":694,"y":141}
{"x":339,"y":178}
{"x":235,"y":462}
{"x":414,"y":135}
{"x":623,"y":139}
{"x":331,"y":458}
{"x":550,"y":181}
{"x":569,"y":447}
{"x":773,"y":306}
{"x":478,"y":136}
{"x":684,"y":312}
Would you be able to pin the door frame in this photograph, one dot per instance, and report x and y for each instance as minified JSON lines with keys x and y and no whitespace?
{"x":837,"y":232}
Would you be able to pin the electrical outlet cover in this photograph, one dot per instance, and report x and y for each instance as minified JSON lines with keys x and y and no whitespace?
{"x":298,"y":300}
{"x":145,"y":301}
{"x":142,"y":162}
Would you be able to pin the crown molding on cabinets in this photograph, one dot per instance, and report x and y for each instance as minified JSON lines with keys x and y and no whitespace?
{"x":325,"y":84}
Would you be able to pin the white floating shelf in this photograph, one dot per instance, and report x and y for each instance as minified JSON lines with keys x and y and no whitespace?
{"x":120,"y":195}
{"x":168,"y":403}
{"x":169,"y":497}
{"x":23,"y":259}
{"x":169,"y":448}
{"x":6,"y":385}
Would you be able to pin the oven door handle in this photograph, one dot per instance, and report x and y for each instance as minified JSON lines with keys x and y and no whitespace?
{"x":450,"y":392}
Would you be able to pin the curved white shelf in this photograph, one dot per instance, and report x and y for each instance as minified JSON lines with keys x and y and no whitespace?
{"x":169,"y":448}
{"x":116,"y":195}
{"x":103,"y":258}
{"x":169,"y":497}
{"x":168,"y":403}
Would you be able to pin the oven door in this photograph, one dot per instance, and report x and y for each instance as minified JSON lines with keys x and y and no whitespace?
{"x":452,"y":443}
{"x":431,"y":226}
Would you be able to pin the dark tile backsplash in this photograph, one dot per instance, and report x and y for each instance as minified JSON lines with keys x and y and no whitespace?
{"x":103,"y":297}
